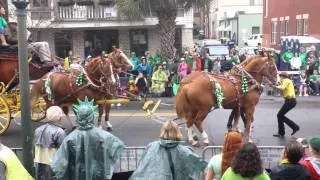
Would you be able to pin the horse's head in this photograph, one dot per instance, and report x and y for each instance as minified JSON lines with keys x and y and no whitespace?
{"x":260,"y":66}
{"x":101,"y":68}
{"x":269,"y":69}
{"x":120,"y":60}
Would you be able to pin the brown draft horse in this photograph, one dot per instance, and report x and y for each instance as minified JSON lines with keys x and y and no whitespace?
{"x":196,"y":96}
{"x":9,"y":68}
{"x":100,"y":84}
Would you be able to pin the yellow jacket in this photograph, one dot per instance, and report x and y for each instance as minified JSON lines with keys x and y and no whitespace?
{"x":288,"y":88}
{"x":14,"y":168}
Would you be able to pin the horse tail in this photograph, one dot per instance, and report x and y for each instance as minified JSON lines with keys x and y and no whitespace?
{"x":182,"y":102}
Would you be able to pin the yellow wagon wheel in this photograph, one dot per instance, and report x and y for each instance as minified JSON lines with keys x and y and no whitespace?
{"x":38,"y":112}
{"x":4,"y":115}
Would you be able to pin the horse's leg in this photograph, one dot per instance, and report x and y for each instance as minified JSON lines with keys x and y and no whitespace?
{"x":107,"y":111}
{"x":100,"y":108}
{"x":236,"y":119}
{"x":231,"y":117}
{"x":249,"y":120}
{"x":198,"y":123}
{"x":191,"y":140}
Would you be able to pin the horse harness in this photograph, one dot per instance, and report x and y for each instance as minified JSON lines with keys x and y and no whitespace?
{"x":105,"y":83}
{"x":230,"y":77}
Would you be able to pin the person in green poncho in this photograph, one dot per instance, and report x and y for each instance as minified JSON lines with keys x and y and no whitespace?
{"x":135,"y":61}
{"x":156,"y":61}
{"x":303,"y":56}
{"x":235,"y":58}
{"x":315,"y":81}
{"x":286,"y":59}
{"x":88,"y":152}
{"x":169,"y":159}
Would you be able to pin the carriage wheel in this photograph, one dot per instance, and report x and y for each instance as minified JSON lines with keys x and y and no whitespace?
{"x":39,"y":110}
{"x":4,"y":115}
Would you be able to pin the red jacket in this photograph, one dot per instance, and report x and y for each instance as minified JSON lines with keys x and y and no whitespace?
{"x":313,"y":173}
{"x":198,"y":65}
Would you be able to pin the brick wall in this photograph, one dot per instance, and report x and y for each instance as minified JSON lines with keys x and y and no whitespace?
{"x":78,"y":43}
{"x":290,"y":8}
{"x":124,"y":41}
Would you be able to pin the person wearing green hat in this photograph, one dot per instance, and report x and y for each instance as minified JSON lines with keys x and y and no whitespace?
{"x":312,"y":163}
{"x":286,"y":59}
{"x":135,"y":61}
{"x":88,"y":152}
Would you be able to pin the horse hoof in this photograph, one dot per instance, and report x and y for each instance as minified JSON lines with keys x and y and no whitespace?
{"x":109,"y":129}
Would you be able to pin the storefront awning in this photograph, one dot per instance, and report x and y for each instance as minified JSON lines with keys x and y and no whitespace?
{"x":66,"y":2}
{"x":107,"y":2}
{"x":85,"y":2}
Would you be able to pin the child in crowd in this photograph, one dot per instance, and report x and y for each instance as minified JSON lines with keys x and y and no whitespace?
{"x":315,"y":81}
{"x":3,"y":26}
{"x":303,"y":84}
{"x":141,"y":84}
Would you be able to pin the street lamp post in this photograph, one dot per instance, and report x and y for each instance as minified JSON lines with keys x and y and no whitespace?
{"x":27,"y":138}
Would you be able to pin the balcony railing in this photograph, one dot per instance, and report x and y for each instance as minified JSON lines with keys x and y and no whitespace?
{"x":76,"y":12}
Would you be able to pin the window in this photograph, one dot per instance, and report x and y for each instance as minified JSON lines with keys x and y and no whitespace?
{"x":282,"y":28}
{"x":251,"y":2}
{"x":287,"y":27}
{"x":305,"y":27}
{"x":255,"y":30}
{"x":299,"y":26}
{"x":40,"y":3}
{"x":274,"y":32}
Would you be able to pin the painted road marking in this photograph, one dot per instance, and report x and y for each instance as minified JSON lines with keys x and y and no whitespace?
{"x":139,"y":114}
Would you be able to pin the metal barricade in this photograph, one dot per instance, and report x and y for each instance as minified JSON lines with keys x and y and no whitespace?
{"x":270,"y":155}
{"x":18,"y":152}
{"x":129,"y":159}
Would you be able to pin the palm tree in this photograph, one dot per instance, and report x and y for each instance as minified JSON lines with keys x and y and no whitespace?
{"x":166,"y":11}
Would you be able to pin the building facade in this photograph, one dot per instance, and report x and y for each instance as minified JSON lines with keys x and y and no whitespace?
{"x":289,"y":17}
{"x":227,"y":15}
{"x":91,"y":26}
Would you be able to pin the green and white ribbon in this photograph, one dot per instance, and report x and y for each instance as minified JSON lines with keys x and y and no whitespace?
{"x":219,"y":94}
{"x":47,"y":87}
{"x":244,"y":83}
{"x":79,"y":80}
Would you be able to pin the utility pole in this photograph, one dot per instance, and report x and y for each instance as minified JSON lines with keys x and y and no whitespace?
{"x":27,"y":138}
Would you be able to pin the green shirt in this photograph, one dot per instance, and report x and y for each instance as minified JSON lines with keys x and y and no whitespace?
{"x":135,"y":62}
{"x":215,"y":165}
{"x":230,"y":175}
{"x":235,"y":60}
{"x":3,"y":23}
{"x":303,"y":57}
{"x":188,"y":59}
{"x":287,"y":57}
{"x":314,"y":77}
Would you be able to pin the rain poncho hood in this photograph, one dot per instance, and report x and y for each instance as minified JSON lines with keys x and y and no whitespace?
{"x":88,"y":153}
{"x":155,"y":163}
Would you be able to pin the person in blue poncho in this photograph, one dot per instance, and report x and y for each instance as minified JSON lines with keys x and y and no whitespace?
{"x":169,"y":159}
{"x":88,"y":152}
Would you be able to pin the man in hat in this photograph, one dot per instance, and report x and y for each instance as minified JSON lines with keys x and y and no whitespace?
{"x":48,"y":138}
{"x":289,"y":103}
{"x":88,"y":152}
{"x":312,"y":163}
{"x":286,"y":59}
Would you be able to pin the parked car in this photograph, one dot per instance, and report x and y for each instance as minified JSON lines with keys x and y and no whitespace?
{"x":254,"y":40}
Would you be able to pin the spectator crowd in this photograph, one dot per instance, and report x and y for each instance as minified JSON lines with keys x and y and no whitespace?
{"x":90,"y":153}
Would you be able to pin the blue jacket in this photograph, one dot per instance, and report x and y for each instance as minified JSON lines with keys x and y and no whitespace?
{"x":145,"y":67}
